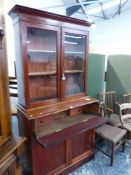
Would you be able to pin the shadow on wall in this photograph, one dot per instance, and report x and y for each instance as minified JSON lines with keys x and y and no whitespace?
{"x":119,"y":74}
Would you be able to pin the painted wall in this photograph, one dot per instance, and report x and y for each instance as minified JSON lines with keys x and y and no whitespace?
{"x":113,"y":36}
{"x":9,"y":37}
{"x":96,"y":74}
{"x":119,"y":74}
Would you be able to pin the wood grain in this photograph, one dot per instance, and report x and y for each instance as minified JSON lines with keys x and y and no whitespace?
{"x":5,"y":122}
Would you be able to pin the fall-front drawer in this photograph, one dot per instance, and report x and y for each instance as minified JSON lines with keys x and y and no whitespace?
{"x":59,"y":130}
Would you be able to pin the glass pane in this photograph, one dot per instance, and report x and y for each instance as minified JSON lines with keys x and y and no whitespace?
{"x":74,"y":61}
{"x":74,"y":84}
{"x":42,"y":69}
{"x":42,"y":87}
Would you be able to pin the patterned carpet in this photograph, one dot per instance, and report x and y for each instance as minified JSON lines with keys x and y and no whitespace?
{"x":100,"y":165}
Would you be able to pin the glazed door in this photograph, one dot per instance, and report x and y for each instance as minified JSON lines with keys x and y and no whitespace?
{"x":74,"y":64}
{"x":43,"y":60}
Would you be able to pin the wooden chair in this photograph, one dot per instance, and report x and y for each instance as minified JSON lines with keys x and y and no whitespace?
{"x":108,"y":108}
{"x":112,"y":135}
{"x":127,"y":98}
{"x":125,"y":116}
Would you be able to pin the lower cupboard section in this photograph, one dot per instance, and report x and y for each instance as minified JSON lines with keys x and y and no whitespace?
{"x":63,"y":156}
{"x":45,"y":160}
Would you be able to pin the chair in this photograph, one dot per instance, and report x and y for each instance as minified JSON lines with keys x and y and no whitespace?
{"x":108,"y":108}
{"x":125,"y":116}
{"x":112,"y":135}
{"x":127,"y":98}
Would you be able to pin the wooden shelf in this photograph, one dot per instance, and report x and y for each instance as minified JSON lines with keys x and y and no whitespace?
{"x":42,"y":51}
{"x":42,"y":98}
{"x":53,"y":51}
{"x":73,"y":71}
{"x":69,"y":52}
{"x":42,"y":73}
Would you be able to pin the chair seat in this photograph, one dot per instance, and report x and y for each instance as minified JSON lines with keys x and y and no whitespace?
{"x":113,"y":134}
{"x":114,"y":120}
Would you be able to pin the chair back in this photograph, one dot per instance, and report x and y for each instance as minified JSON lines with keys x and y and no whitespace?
{"x":125,"y":106}
{"x":125,"y":112}
{"x":127,"y":98}
{"x":108,"y":99}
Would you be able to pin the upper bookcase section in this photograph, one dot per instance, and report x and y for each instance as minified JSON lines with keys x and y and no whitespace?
{"x":51,"y":56}
{"x":17,"y":10}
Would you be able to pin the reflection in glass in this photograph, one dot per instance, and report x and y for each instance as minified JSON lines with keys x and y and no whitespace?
{"x":41,"y":47}
{"x":41,"y":50}
{"x":74,"y":84}
{"x":42,"y":87}
{"x":74,"y":60}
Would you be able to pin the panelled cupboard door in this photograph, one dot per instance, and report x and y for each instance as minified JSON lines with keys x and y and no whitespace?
{"x":43,"y":59}
{"x":74,"y":63}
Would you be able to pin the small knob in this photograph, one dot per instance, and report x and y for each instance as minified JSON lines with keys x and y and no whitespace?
{"x":63,"y":77}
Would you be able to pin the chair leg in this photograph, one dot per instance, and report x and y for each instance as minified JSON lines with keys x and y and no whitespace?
{"x":129,"y":135}
{"x":124,"y":143}
{"x":112,"y":153}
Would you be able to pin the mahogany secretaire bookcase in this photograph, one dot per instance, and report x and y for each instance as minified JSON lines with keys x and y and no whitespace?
{"x":54,"y":111}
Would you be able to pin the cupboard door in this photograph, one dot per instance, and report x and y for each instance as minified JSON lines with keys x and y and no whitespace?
{"x":74,"y":63}
{"x":43,"y":59}
{"x":82,"y":143}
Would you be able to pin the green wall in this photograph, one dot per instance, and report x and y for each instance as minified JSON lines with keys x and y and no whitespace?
{"x":119,"y":74}
{"x":96,"y":66}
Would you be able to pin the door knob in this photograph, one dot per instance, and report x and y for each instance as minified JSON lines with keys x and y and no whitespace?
{"x":63,"y":77}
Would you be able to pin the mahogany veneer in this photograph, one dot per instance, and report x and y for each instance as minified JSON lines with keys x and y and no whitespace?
{"x":54,"y":111}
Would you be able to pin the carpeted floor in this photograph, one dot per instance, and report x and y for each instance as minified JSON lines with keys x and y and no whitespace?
{"x":100,"y":165}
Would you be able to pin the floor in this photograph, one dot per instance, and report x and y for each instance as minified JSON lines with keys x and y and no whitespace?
{"x":100,"y":165}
